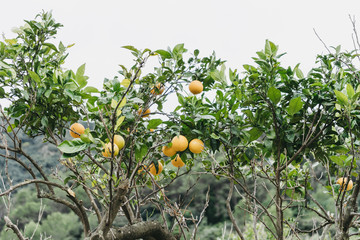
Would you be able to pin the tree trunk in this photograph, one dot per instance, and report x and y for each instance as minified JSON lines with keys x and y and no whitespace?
{"x":150,"y":230}
{"x":342,"y":233}
{"x":279,"y":211}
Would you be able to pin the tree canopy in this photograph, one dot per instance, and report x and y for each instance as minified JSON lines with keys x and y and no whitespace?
{"x":271,"y":133}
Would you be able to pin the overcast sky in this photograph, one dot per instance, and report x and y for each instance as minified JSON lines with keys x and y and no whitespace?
{"x":235,"y":30}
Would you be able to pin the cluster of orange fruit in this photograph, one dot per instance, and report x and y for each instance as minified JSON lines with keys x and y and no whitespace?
{"x":179,"y":144}
{"x":77,"y":129}
{"x":342,"y":182}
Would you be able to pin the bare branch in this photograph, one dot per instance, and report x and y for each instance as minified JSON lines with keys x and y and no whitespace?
{"x":15,"y":228}
{"x":207,"y":199}
{"x":228,"y":207}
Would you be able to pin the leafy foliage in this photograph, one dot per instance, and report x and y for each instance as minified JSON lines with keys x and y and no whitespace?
{"x":264,"y":131}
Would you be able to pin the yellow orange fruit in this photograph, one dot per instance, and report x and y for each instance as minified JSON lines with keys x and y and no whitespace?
{"x":177,"y":162}
{"x":179,"y":143}
{"x":151,"y":130}
{"x":152,"y":168}
{"x":342,"y":182}
{"x":107,"y":150}
{"x":196,"y":146}
{"x":119,"y":141}
{"x":146,"y":113}
{"x":196,"y":87}
{"x":76,"y":130}
{"x":168,"y":151}
{"x":158,"y":89}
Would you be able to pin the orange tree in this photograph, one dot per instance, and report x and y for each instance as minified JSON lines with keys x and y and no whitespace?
{"x":116,"y":157}
{"x":266,"y":131}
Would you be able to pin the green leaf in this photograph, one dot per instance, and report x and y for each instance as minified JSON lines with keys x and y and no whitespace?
{"x":131,"y":48}
{"x":119,"y":122}
{"x":179,"y":48}
{"x":196,"y":52}
{"x":140,"y":153}
{"x":87,"y":136}
{"x":44,"y":121}
{"x":357,"y":89}
{"x":47,"y":93}
{"x":2,"y":92}
{"x":154,"y":123}
{"x":34,"y":76}
{"x":164,"y":54}
{"x":72,"y":95}
{"x":73,"y":146}
{"x":69,"y":155}
{"x":267,"y":48}
{"x":250,"y":153}
{"x":299,"y":73}
{"x":232,"y":74}
{"x":113,"y":103}
{"x":218,"y":76}
{"x":79,"y":77}
{"x":52,"y":46}
{"x":91,"y":90}
{"x":295,"y":105}
{"x":123,"y":102}
{"x":350,"y":90}
{"x":10,"y":128}
{"x":255,"y":133}
{"x":342,"y":98}
{"x":71,"y":86}
{"x":274,"y":95}
{"x":339,"y":160}
{"x":11,"y":41}
{"x":80,"y":71}
{"x":214,"y":136}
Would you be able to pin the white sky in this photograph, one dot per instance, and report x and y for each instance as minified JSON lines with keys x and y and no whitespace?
{"x":235,"y":30}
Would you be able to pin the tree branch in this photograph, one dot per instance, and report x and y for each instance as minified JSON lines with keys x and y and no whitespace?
{"x":15,"y":228}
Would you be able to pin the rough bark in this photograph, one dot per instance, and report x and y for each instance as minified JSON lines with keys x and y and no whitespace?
{"x":343,"y":232}
{"x":279,"y":211}
{"x":107,"y":220}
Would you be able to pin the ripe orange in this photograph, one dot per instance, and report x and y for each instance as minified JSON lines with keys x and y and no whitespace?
{"x":196,"y":146}
{"x":119,"y":141}
{"x":342,"y":182}
{"x":76,"y":130}
{"x":144,"y":114}
{"x":168,"y":151}
{"x":179,"y":143}
{"x":152,"y":169}
{"x":196,"y":87}
{"x":177,"y":162}
{"x":107,"y":150}
{"x":159,"y":91}
{"x":151,"y":130}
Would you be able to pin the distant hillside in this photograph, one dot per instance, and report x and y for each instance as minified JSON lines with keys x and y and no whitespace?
{"x":45,"y":154}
